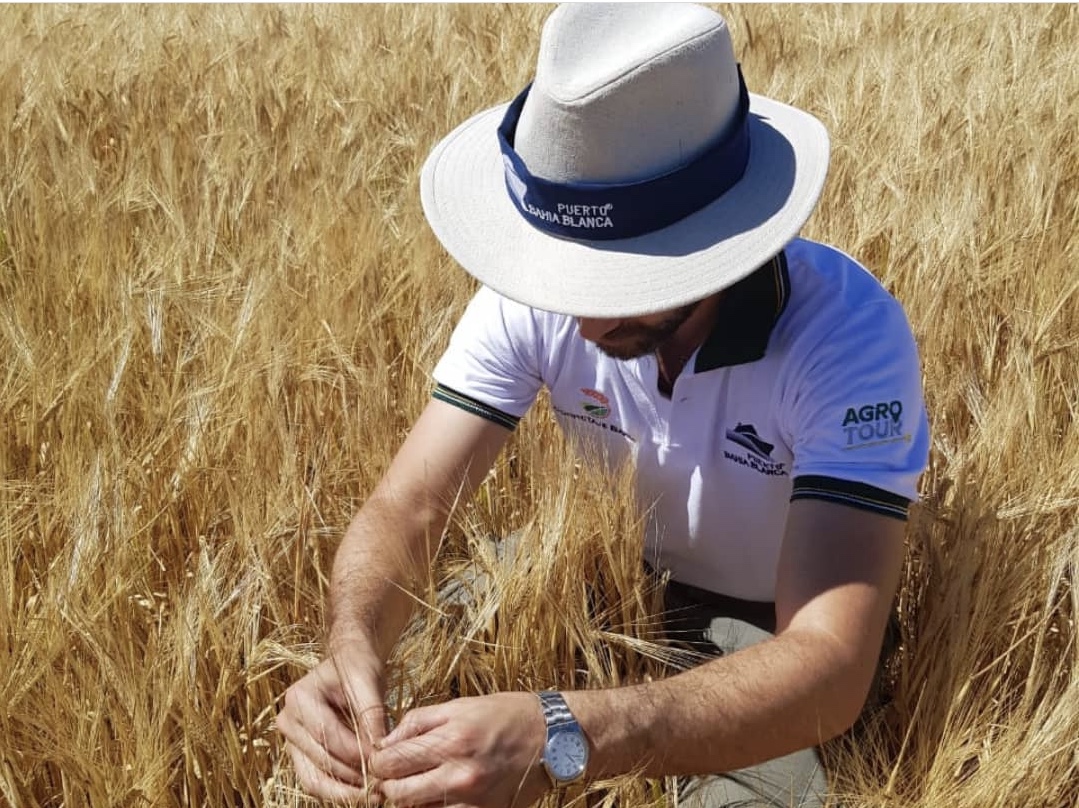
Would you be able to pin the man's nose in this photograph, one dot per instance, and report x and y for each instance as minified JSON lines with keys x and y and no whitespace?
{"x":596,"y":328}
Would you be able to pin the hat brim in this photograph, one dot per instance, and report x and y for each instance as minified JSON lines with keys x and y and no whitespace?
{"x":464,"y":196}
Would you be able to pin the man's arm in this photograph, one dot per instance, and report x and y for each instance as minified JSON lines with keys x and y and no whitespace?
{"x":838,"y":573}
{"x":385,"y":557}
{"x":334,"y":715}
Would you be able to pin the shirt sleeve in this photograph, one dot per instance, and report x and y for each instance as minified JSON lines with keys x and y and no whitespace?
{"x":490,"y":367}
{"x":857,"y":419}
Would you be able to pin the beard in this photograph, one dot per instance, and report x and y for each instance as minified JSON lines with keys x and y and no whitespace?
{"x":632,"y":339}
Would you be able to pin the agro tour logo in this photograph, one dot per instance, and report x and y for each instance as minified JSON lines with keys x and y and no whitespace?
{"x":874,"y":424}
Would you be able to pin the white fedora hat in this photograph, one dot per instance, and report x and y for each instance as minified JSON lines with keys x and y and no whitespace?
{"x":636,"y":174}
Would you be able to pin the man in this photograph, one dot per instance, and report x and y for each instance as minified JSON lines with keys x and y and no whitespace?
{"x":632,"y":217}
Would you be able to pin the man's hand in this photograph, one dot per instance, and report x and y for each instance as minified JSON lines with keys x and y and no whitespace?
{"x":334,"y":717}
{"x":483,"y":751}
{"x":332,"y":720}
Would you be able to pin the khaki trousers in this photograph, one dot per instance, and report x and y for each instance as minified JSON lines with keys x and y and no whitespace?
{"x":714,"y":628}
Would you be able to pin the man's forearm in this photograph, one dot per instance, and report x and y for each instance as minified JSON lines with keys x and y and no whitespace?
{"x":762,"y":702}
{"x":384,"y":561}
{"x":381,"y":565}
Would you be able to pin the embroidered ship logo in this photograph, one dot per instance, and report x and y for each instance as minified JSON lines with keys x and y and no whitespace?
{"x":759,"y":457}
{"x":746,"y":435}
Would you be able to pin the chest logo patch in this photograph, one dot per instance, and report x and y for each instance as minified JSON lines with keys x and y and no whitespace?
{"x":756,"y":452}
{"x":598,"y":406}
{"x":595,"y":408}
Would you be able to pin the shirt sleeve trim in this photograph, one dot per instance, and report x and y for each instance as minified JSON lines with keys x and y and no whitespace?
{"x":856,"y":495}
{"x":469,"y":404}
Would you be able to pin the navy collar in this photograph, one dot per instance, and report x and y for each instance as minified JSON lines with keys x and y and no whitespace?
{"x":748,"y":311}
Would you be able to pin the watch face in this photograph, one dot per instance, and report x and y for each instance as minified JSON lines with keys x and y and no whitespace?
{"x":566,"y":755}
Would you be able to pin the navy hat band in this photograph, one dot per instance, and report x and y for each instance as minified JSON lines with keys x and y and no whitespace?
{"x":609,"y":211}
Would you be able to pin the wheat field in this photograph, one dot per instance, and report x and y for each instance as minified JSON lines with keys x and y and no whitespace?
{"x":219,"y":308}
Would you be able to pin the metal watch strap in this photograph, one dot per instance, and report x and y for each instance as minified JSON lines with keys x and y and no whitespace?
{"x":555,"y":710}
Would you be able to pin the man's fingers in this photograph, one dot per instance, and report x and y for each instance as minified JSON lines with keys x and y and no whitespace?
{"x":299,"y":739}
{"x":407,"y":757}
{"x":365,"y":709}
{"x":416,"y":722}
{"x":435,"y":786}
{"x":306,"y":720}
{"x":371,"y":723}
{"x":316,"y":781}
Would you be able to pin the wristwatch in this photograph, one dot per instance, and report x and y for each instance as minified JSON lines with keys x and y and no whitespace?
{"x":565,"y":753}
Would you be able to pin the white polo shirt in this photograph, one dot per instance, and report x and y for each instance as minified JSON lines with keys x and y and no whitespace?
{"x":809,"y":386}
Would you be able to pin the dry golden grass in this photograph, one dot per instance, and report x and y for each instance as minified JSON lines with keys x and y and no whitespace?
{"x":219,"y":305}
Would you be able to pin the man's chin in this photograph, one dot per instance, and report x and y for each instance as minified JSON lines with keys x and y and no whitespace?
{"x":623,"y":353}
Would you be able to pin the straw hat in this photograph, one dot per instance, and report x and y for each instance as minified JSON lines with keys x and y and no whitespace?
{"x":635,"y":175}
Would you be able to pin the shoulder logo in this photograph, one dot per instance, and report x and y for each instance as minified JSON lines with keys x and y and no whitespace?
{"x":874,"y":424}
{"x":758,"y":452}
